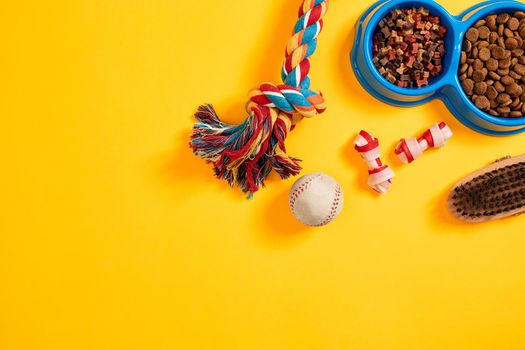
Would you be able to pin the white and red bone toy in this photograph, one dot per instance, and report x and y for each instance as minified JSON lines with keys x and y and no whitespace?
{"x":379,"y":175}
{"x":410,"y":149}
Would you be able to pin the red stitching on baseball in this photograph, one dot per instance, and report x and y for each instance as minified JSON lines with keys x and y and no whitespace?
{"x":299,"y":190}
{"x":333,"y":209}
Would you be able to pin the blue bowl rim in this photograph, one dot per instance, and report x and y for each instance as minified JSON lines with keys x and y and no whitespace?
{"x":487,"y":8}
{"x":460,"y":24}
{"x":437,"y":10}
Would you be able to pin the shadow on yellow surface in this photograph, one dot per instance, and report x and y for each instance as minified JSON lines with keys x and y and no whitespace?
{"x":280,"y":228}
{"x":181,"y":167}
{"x":355,"y":95}
{"x":438,"y":213}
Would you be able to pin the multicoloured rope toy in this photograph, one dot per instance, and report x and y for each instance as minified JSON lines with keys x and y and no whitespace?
{"x":245,"y":154}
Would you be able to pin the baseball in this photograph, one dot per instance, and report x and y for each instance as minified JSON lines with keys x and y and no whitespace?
{"x":316,"y":199}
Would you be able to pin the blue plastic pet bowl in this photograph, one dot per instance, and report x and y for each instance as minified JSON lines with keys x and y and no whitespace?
{"x":446,"y":86}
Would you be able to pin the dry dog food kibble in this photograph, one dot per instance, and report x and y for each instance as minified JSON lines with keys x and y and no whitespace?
{"x":492,"y":65}
{"x":408,"y":47}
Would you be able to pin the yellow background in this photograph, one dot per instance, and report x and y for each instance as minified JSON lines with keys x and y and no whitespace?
{"x":113,"y":235}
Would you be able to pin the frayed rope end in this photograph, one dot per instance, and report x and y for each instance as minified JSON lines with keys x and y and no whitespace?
{"x":244,"y":154}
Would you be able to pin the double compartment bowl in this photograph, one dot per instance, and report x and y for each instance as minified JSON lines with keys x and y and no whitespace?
{"x":445,"y":86}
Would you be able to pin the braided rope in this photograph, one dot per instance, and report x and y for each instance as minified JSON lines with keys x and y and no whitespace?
{"x":245,"y":154}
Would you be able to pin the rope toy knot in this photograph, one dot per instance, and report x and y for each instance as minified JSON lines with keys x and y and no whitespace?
{"x":288,"y":99}
{"x":245,"y":154}
{"x":410,"y":149}
{"x":379,"y":175}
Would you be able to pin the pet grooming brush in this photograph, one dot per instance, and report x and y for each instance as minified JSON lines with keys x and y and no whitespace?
{"x":494,"y":192}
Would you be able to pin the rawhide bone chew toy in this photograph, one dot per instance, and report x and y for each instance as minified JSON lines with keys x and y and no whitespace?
{"x":379,"y":175}
{"x":494,"y":192}
{"x":245,"y":154}
{"x":410,"y":149}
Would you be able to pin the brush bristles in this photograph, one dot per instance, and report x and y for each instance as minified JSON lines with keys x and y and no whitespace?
{"x":491,"y":194}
